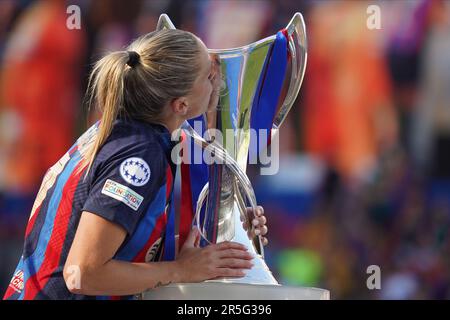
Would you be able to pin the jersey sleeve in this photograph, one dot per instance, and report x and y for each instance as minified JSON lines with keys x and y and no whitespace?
{"x":124,"y":183}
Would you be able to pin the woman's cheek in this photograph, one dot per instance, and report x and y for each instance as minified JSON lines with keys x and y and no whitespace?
{"x":210,"y":87}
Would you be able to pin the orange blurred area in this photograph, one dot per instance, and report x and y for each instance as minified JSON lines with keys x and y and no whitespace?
{"x":364,"y":154}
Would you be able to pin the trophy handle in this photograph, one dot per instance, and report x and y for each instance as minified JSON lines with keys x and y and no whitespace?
{"x":234,"y":167}
{"x":164,"y":22}
{"x":201,"y":199}
{"x":297,"y":47}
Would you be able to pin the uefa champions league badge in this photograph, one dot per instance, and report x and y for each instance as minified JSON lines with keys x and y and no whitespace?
{"x":135,"y":171}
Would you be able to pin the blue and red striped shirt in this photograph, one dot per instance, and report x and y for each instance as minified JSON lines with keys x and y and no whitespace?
{"x":130,"y":183}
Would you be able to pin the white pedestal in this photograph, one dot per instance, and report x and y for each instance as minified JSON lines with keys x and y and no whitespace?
{"x":233,"y":291}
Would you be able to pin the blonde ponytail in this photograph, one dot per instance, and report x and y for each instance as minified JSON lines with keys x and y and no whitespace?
{"x":106,"y":93}
{"x":165,"y":66}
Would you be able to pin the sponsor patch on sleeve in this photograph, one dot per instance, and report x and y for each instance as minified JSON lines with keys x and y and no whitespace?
{"x":17,"y":281}
{"x":122,"y":193}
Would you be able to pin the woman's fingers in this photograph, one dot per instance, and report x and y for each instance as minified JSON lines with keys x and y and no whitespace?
{"x":229,"y":273}
{"x":235,"y":263}
{"x":261,"y":231}
{"x":230,"y":245}
{"x":259,"y":227}
{"x":264,"y":241}
{"x":259,"y":221}
{"x":258,"y":213}
{"x":234,"y":253}
{"x":232,"y":259}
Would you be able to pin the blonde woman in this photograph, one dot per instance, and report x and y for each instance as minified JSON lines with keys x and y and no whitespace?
{"x":97,"y":227}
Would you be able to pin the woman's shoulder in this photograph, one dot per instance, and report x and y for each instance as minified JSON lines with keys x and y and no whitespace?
{"x":133,"y":130}
{"x":132,"y":139}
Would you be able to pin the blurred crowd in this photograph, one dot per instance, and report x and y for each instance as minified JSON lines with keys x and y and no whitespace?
{"x":365,"y":151}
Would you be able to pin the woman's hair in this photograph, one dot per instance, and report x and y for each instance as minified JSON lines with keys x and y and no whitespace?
{"x":138,"y":82}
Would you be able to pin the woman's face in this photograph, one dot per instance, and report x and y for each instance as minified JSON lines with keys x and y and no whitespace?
{"x":201,"y":94}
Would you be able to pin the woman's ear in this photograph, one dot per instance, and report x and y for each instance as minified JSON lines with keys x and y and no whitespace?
{"x":180,"y":106}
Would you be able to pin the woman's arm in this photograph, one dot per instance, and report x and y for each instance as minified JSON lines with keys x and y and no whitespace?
{"x":97,"y":240}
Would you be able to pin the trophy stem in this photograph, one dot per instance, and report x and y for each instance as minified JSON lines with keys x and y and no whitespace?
{"x":259,"y":273}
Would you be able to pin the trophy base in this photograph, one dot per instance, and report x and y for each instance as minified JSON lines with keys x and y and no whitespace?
{"x":233,"y":291}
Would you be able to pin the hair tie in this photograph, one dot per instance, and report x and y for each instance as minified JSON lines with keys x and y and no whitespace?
{"x":133,"y":58}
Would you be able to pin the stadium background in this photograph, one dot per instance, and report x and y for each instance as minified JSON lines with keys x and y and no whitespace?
{"x":364,"y":176}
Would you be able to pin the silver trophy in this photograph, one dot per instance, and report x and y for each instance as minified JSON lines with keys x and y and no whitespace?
{"x":221,"y":205}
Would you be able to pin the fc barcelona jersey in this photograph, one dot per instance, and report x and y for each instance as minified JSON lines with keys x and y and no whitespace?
{"x":130,"y":183}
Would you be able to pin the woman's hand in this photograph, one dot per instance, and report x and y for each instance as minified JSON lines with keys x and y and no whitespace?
{"x":225,"y":259}
{"x":259,"y":222}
